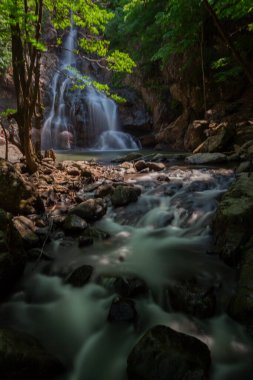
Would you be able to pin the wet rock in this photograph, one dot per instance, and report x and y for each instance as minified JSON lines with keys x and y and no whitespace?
{"x":80,"y":276}
{"x":124,"y":195}
{"x":95,"y":233}
{"x":206,"y":158}
{"x":155,"y":166}
{"x":87,"y":175}
{"x":104,"y":190}
{"x":84,"y":241}
{"x":163,"y":354}
{"x":23,"y":357}
{"x":16,"y":195}
{"x":192,"y":298}
{"x":129,"y":157}
{"x":233,"y":223}
{"x":140,"y":165}
{"x":173,"y":133}
{"x":11,"y":269}
{"x":90,"y":210}
{"x":195,"y":134}
{"x":74,"y":224}
{"x":241,"y":305}
{"x":73,"y":171}
{"x":130,"y":287}
{"x":122,"y":310}
{"x":243,"y":167}
{"x":221,"y":135}
{"x":163,"y":178}
{"x":25,"y":229}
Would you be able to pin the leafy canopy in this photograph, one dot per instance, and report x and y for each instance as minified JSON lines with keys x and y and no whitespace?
{"x":155,"y":30}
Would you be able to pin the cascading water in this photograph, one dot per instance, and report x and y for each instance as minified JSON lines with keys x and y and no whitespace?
{"x":163,"y":238}
{"x":81,"y":118}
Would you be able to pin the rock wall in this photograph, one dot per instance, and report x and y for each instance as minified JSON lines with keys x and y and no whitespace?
{"x":174,"y":97}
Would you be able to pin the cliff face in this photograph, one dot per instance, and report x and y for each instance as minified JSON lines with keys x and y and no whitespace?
{"x":175,"y":99}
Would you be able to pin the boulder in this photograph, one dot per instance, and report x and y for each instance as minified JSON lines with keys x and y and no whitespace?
{"x":129,"y":157}
{"x":173,"y":134}
{"x":195,"y":134}
{"x":90,"y":210}
{"x":124,"y":195}
{"x":233,"y":223}
{"x":16,"y":195}
{"x":74,"y":224}
{"x":11,"y":269}
{"x":155,"y":166}
{"x":192,"y":298}
{"x":163,"y":354}
{"x":241,"y":305}
{"x":122,"y":310}
{"x":206,"y":158}
{"x":23,"y":357}
{"x":24,"y":229}
{"x":130,"y":287}
{"x":80,"y":276}
{"x":94,"y":234}
{"x":104,"y":190}
{"x":219,"y":139}
{"x":140,"y":165}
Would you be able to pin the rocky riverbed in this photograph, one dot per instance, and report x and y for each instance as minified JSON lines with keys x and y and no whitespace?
{"x":125,"y":249}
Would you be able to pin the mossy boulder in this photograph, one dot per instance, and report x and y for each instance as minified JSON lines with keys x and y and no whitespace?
{"x":163,"y":354}
{"x":74,"y":224}
{"x":11,"y":269}
{"x":16,"y":195}
{"x":241,"y":305}
{"x":123,"y":195}
{"x":23,"y":357}
{"x":233,"y":223}
{"x":90,"y":210}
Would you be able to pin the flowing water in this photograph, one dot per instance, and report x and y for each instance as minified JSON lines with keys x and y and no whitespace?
{"x":163,"y":238}
{"x":81,"y":118}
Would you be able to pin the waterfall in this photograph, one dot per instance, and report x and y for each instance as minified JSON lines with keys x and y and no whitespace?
{"x":81,"y":118}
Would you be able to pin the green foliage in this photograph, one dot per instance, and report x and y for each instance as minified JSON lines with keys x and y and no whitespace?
{"x":8,"y":112}
{"x":5,"y":45}
{"x":154,"y":31}
{"x":225,"y":69}
{"x":81,"y":82}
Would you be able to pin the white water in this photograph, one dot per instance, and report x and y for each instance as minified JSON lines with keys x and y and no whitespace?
{"x":81,"y":120}
{"x":162,"y":238}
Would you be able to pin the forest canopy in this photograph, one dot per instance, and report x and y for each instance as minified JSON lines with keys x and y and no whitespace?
{"x":213,"y":35}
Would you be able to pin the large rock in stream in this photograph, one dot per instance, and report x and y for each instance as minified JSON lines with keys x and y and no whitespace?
{"x":233,"y":223}
{"x":16,"y":195}
{"x":233,"y":233}
{"x":90,"y":210}
{"x":12,"y":257}
{"x":206,"y":158}
{"x":123,"y":195}
{"x":22,"y":357}
{"x":164,"y":354}
{"x":241,"y":305}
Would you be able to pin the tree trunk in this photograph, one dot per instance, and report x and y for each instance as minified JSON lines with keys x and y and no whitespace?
{"x":229,"y":42}
{"x":26,"y":75}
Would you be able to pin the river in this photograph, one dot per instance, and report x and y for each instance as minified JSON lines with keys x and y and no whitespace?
{"x":163,"y":239}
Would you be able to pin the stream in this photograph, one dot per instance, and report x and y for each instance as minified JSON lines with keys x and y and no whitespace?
{"x":163,"y":239}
